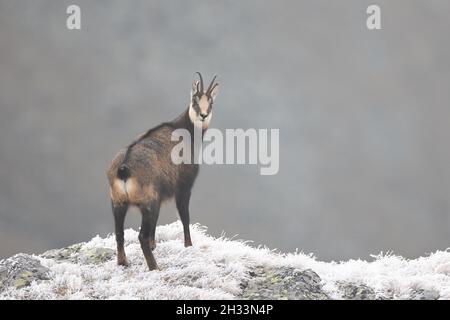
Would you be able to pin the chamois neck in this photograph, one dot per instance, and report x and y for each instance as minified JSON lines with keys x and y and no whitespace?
{"x":184,"y":121}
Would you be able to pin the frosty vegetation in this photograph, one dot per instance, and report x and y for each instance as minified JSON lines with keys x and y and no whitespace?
{"x":216,"y":268}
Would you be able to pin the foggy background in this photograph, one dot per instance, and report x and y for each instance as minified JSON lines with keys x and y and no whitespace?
{"x":364,"y":118}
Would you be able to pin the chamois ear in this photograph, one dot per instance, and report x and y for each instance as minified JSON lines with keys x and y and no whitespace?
{"x":195,"y":88}
{"x":214,"y":91}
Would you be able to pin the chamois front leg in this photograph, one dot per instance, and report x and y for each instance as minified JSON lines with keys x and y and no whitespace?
{"x":149,"y":217}
{"x":182,"y":200}
{"x":120,"y":211}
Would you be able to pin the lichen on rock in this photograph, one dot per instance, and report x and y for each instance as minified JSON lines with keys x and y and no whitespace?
{"x":67,"y":253}
{"x":79,"y":254}
{"x":423,"y":294}
{"x":20,"y":271}
{"x":354,"y":291}
{"x":284,"y":283}
{"x":95,"y":255}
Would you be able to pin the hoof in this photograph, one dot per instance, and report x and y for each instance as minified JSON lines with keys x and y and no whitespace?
{"x":154,"y":268}
{"x":122,"y":262}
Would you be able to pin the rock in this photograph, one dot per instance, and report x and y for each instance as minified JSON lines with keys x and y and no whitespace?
{"x":353,"y":291}
{"x":20,"y":270}
{"x":95,"y":255}
{"x":68,"y":253}
{"x":283,"y":283}
{"x":422,"y":294}
{"x":86,"y":271}
{"x":76,"y":253}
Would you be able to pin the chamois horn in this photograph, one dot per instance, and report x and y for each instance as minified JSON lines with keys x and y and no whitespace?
{"x":201,"y":81}
{"x":208,"y":92}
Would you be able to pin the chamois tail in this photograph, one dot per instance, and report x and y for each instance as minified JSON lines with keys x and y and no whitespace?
{"x":123,"y":172}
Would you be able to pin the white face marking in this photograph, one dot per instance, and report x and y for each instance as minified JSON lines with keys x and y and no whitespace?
{"x":192,"y":114}
{"x":203,"y":104}
{"x":205,"y":122}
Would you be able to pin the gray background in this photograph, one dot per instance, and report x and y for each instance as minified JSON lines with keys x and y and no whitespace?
{"x":364,"y":118}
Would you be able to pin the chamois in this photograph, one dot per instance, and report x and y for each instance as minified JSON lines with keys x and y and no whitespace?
{"x":143,"y":174}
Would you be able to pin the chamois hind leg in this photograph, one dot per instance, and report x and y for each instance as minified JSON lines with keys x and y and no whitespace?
{"x":153,"y":223}
{"x":119,"y":212}
{"x":182,"y":200}
{"x":150,"y":215}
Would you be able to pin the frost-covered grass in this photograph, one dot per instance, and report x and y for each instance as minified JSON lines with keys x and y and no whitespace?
{"x":215,"y":267}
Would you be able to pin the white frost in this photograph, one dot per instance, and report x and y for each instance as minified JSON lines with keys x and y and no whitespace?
{"x":215,"y":267}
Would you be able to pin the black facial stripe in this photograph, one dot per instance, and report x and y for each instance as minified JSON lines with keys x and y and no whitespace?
{"x":196,"y":106}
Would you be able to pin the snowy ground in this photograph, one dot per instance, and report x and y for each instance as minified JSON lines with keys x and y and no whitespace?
{"x":216,"y":267}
